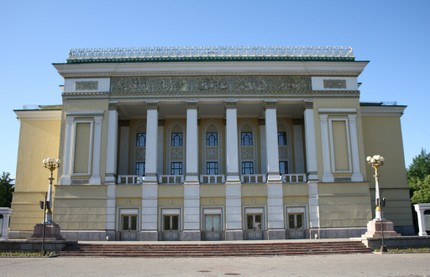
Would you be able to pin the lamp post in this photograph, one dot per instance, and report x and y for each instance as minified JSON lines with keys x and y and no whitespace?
{"x":51,"y":164}
{"x":376,"y":161}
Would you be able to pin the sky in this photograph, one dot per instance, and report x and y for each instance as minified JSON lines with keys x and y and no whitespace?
{"x":393,"y":35}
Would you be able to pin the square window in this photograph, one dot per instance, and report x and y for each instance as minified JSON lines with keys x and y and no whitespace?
{"x":176,"y":168}
{"x":246,"y":138}
{"x":282,"y":138}
{"x":140,"y":169}
{"x":212,"y":168}
{"x":176,"y":139}
{"x":247,"y":167}
{"x":283,"y":167}
{"x":141,"y":139}
{"x":211,"y":139}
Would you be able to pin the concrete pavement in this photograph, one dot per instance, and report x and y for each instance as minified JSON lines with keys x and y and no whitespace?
{"x":311,"y":265}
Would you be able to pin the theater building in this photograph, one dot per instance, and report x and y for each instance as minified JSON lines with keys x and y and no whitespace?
{"x":210,"y":143}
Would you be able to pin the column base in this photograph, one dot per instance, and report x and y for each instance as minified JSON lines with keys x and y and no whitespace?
{"x":52,"y":232}
{"x":374,"y":229}
{"x":190,"y":235}
{"x":273,"y":234}
{"x":149,"y":235}
{"x":233,"y":235}
{"x":95,"y":180}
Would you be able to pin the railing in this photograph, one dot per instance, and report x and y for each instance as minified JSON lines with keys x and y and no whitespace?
{"x":212,"y":179}
{"x":130,"y":179}
{"x":294,"y":178}
{"x":253,"y":178}
{"x":171,"y":179}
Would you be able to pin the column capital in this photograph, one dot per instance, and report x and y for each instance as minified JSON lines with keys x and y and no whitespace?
{"x":192,"y":104}
{"x":308,"y":105}
{"x":230,"y":103}
{"x":151,"y":105}
{"x":113,"y":106}
{"x":270,"y":104}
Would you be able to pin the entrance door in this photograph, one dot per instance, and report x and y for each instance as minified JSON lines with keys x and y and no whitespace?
{"x":170,"y":227}
{"x":254,"y":226}
{"x":296,"y":229}
{"x":212,"y":227}
{"x":128,"y":227}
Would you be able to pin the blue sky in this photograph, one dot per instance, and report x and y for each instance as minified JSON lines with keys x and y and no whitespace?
{"x":393,"y":35}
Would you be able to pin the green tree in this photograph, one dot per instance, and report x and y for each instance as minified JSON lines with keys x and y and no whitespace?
{"x":6,"y":190}
{"x":418,"y":175}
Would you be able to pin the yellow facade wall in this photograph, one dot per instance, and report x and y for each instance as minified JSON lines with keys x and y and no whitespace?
{"x":38,"y":139}
{"x":383,"y":136}
{"x":344,"y":204}
{"x":81,"y":207}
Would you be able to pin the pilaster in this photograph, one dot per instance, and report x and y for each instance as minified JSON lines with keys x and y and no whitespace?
{"x":151,"y":142}
{"x":356,"y":174}
{"x":65,"y":178}
{"x":232,"y":145}
{"x":192,"y":144}
{"x":311,"y":148}
{"x":272,"y":150}
{"x":95,"y":176}
{"x":327,"y":175}
{"x":112,"y":146}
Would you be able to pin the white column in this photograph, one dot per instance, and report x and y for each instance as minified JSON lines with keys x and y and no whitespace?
{"x":191,"y":187}
{"x":272,"y":150}
{"x":67,"y":155}
{"x":95,"y":173}
{"x":298,"y":149}
{"x":6,"y":212}
{"x":123,"y":150}
{"x":420,"y":209}
{"x":151,"y":142}
{"x":314,"y":213}
{"x":232,"y":146}
{"x":160,"y":151}
{"x":263,"y":150}
{"x":312,"y":168}
{"x":327,"y":175}
{"x":192,"y":144}
{"x":356,"y":174}
{"x":311,"y":148}
{"x":110,"y":209}
{"x":111,"y":147}
{"x":233,"y":199}
{"x":150,"y":186}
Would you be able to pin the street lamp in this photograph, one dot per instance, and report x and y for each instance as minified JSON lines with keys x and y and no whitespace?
{"x":376,"y":161}
{"x":51,"y":164}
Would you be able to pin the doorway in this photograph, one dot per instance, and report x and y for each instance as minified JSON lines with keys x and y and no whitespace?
{"x":213,"y":227}
{"x":170,"y":227}
{"x":296,"y":223}
{"x":254,"y":227}
{"x":128,"y":227}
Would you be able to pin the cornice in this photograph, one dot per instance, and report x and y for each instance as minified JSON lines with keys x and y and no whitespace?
{"x":396,"y":111}
{"x":38,"y":114}
{"x":213,"y":68}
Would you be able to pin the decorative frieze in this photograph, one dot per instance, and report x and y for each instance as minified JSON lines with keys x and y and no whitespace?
{"x":334,"y":83}
{"x":218,"y":85}
{"x":86,"y":85}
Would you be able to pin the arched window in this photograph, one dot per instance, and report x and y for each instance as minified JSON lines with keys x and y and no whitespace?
{"x":246,"y":138}
{"x":176,"y":139}
{"x":211,"y":139}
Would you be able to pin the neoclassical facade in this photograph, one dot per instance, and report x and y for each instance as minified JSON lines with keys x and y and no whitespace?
{"x":211,"y":143}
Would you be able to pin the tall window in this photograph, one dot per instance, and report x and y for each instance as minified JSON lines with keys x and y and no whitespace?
{"x":282,"y":138}
{"x":176,"y":168}
{"x":176,"y":139}
{"x":246,"y":138}
{"x":212,"y":168}
{"x":283,"y":167}
{"x":247,"y":167}
{"x":211,"y":139}
{"x":140,"y":169}
{"x":141,"y":139}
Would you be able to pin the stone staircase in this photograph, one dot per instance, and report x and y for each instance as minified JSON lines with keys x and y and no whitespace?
{"x":214,"y":249}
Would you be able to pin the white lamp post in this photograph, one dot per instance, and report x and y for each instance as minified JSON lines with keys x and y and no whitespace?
{"x":51,"y":164}
{"x":376,"y":161}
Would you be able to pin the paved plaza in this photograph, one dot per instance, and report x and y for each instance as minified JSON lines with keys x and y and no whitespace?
{"x":392,"y":265}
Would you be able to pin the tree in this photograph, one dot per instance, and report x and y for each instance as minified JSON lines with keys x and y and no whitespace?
{"x":418,"y":175}
{"x":6,"y":190}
